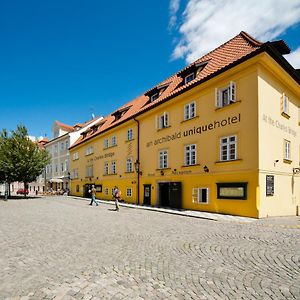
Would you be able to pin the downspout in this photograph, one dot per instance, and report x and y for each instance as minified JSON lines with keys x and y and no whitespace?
{"x":138,"y":160}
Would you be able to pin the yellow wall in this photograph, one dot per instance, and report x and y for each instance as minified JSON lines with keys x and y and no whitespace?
{"x":259,"y":144}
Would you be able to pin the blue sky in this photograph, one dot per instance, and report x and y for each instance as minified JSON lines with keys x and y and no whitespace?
{"x":64,"y":60}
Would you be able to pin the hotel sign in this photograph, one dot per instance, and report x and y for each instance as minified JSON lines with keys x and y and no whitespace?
{"x":196,"y":130}
{"x":269,"y":185}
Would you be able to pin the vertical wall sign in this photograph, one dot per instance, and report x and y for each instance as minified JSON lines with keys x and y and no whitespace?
{"x":269,"y":185}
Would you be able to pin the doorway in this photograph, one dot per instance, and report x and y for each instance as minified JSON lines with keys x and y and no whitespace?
{"x":147,"y":194}
{"x":86,"y":189}
{"x":169,"y":194}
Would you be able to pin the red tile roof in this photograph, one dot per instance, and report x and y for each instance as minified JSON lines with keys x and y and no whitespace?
{"x":234,"y":51}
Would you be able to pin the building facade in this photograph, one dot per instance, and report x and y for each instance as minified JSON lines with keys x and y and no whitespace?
{"x":221,"y":135}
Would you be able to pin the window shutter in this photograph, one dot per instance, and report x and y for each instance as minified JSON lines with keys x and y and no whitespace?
{"x":232,"y":95}
{"x":217,"y":98}
{"x":195,"y":195}
{"x":282,"y":103}
{"x":166,"y":119}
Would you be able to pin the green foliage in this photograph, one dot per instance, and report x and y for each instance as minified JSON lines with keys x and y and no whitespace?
{"x":20,"y":158}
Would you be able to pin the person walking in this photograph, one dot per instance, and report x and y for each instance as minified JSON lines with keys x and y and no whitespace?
{"x":117,"y":196}
{"x":92,"y":191}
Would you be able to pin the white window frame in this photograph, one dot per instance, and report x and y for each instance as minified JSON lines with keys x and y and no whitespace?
{"x":89,"y":171}
{"x":197,"y":195}
{"x":113,"y":167}
{"x":231,"y":95}
{"x":106,"y":168}
{"x":75,"y":156}
{"x":287,"y":150}
{"x":106,"y":143}
{"x":285,"y":104}
{"x":128,"y":192}
{"x":189,"y":111}
{"x":226,"y":145}
{"x":189,"y":78}
{"x":89,"y":150}
{"x":162,"y":121}
{"x":154,"y":97}
{"x":129,"y":165}
{"x":190,"y":155}
{"x":62,"y":146}
{"x":130,"y":134}
{"x":114,"y":141}
{"x":163,"y":159}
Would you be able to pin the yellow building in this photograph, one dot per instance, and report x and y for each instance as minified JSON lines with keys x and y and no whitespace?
{"x":221,"y":135}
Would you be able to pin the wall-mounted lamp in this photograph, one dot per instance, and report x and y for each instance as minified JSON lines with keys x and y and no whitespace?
{"x":137,"y":166}
{"x":162,"y":173}
{"x":205,"y":169}
{"x":296,"y":171}
{"x":275,"y":162}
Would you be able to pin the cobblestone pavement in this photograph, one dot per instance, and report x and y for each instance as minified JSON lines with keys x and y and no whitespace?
{"x":61,"y":248}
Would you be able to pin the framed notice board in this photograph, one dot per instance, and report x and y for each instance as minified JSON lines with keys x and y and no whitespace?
{"x":269,"y":185}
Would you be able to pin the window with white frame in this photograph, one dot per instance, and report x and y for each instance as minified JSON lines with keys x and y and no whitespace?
{"x":190,"y":110}
{"x":129,"y":134}
{"x":190,"y":155}
{"x":226,"y":95}
{"x":113,"y":167}
{"x":75,"y":156}
{"x":129,"y":165}
{"x":56,"y":168}
{"x":75,"y":174}
{"x":106,"y":143}
{"x":67,"y":144}
{"x":62,"y":167}
{"x":89,"y":171}
{"x":200,"y":195}
{"x":285,"y":104}
{"x":66,"y":165}
{"x":89,"y":150}
{"x":62,"y":146}
{"x":106,"y":168}
{"x":162,"y":121}
{"x":113,"y":141}
{"x":228,"y":148}
{"x":55,"y":148}
{"x":287,"y":150}
{"x":154,"y":97}
{"x":106,"y":190}
{"x":129,"y":192}
{"x":189,"y":78}
{"x":163,"y":159}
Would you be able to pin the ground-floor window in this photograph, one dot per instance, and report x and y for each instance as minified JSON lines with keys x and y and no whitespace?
{"x":200,"y":195}
{"x":129,"y":192}
{"x":106,"y":191}
{"x":232,"y":190}
{"x":77,"y":188}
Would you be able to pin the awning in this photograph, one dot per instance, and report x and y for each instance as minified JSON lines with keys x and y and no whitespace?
{"x":56,"y":180}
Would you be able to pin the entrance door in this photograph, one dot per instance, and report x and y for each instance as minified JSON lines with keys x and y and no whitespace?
{"x":86,"y":193}
{"x":170,"y":194}
{"x":147,"y":194}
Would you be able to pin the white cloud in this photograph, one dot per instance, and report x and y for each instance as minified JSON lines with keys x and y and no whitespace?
{"x":173,"y":8}
{"x":294,"y":58}
{"x":209,"y":23}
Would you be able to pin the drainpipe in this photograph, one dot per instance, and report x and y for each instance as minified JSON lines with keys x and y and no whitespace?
{"x":138,"y":160}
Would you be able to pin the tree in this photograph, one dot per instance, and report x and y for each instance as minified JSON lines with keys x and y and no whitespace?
{"x":20,"y":158}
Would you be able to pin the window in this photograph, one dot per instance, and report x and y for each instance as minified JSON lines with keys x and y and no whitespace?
{"x":232,"y":190}
{"x":106,"y":143}
{"x":226,"y":96}
{"x":67,"y":144}
{"x":129,"y":192}
{"x":113,"y":167}
{"x":162,"y":121}
{"x":287,"y":150}
{"x":114,"y":141}
{"x":66,"y":165}
{"x":189,"y":78}
{"x":285,"y":105}
{"x":55,"y":149}
{"x":163,"y":159}
{"x":190,"y":111}
{"x":106,"y":168}
{"x":129,"y":134}
{"x":56,"y":168}
{"x":228,"y":148}
{"x":129,"y":166}
{"x":106,"y":191}
{"x":190,"y":155}
{"x":62,"y":146}
{"x":89,"y":150}
{"x":89,"y":171}
{"x":75,"y":156}
{"x":62,"y":167}
{"x":200,"y":195}
{"x":77,"y":188}
{"x":154,"y":97}
{"x":75,"y":174}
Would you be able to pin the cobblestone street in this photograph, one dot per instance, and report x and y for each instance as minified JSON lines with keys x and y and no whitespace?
{"x":62,"y":248}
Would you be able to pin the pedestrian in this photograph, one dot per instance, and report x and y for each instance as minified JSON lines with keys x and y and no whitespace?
{"x":117,"y":196}
{"x":92,"y":191}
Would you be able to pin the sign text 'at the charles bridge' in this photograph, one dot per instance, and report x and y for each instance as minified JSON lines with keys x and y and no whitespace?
{"x":196,"y":130}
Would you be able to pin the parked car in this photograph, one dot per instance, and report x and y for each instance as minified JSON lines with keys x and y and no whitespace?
{"x":22,"y":192}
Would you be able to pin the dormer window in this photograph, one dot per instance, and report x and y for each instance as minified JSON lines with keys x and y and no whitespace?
{"x":120,"y":113}
{"x":189,"y":78}
{"x":154,"y":97}
{"x":84,"y":134}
